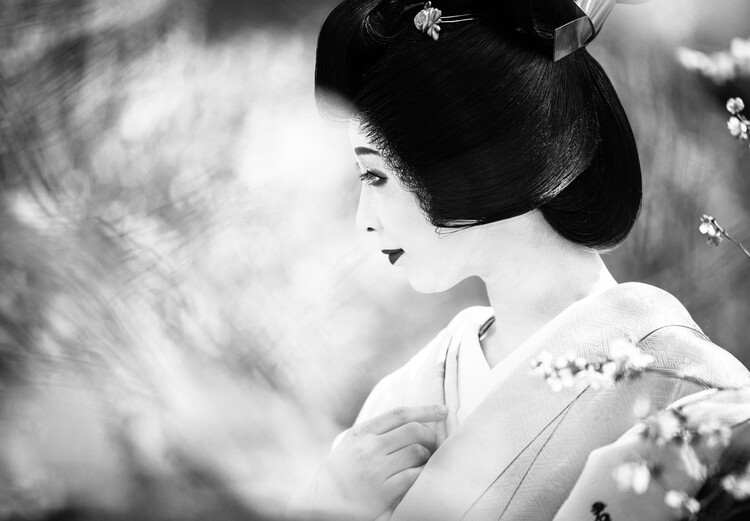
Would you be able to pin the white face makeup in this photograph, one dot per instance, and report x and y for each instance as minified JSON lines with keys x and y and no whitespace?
{"x":433,"y":261}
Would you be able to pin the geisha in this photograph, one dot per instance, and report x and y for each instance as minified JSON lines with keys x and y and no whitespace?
{"x":491,"y":144}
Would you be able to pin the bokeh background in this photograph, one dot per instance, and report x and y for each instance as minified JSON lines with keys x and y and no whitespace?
{"x":188,"y":314}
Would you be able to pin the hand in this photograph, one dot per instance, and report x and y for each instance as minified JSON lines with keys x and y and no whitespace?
{"x":377,"y":461}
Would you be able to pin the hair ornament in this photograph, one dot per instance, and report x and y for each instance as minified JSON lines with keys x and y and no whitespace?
{"x":583,"y":29}
{"x":428,"y":20}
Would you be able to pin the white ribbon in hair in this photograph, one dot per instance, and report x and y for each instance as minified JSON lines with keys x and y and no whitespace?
{"x":581,"y":31}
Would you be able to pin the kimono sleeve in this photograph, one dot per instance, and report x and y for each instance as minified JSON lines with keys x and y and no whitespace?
{"x":386,"y":395}
{"x":406,"y":386}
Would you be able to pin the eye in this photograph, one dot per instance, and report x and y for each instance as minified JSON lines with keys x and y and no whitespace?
{"x":371,"y":178}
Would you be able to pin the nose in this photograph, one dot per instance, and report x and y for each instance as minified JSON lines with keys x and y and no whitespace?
{"x":367,"y":216}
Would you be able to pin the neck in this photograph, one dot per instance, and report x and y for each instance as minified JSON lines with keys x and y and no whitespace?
{"x":550,"y":275}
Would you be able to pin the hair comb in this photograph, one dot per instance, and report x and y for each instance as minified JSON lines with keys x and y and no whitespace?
{"x":428,"y":20}
{"x":583,"y":29}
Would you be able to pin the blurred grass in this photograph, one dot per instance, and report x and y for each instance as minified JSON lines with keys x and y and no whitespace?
{"x":178,"y":236}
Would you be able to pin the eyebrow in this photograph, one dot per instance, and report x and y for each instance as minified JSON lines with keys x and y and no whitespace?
{"x":360,"y":151}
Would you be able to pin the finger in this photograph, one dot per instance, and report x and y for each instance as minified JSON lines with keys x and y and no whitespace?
{"x":441,"y":433}
{"x":399,"y":484}
{"x":415,"y":455}
{"x":403,"y":415}
{"x":405,"y":435}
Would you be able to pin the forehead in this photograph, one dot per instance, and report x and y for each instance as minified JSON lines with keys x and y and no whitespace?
{"x":357,"y":135}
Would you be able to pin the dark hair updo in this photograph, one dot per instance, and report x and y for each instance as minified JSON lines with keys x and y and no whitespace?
{"x":481,"y":125}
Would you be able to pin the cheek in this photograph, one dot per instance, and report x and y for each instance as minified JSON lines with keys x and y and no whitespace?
{"x":421,"y":237}
{"x":401,"y":216}
{"x":407,"y":212}
{"x":404,"y":221}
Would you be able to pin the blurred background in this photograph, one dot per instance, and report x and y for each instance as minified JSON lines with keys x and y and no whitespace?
{"x":188,"y":314}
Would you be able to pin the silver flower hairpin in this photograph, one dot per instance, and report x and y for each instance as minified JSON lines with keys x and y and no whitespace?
{"x":428,"y":20}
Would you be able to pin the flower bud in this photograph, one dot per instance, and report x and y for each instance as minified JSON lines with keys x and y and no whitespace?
{"x":735,"y":105}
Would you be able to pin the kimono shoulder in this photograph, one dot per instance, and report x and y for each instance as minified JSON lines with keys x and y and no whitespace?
{"x":686,"y":353}
{"x":420,"y":380}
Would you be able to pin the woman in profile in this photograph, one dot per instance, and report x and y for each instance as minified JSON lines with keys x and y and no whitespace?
{"x":489,"y":145}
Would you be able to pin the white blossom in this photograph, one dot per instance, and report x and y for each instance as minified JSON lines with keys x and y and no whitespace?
{"x":721,"y":68}
{"x":561,"y":362}
{"x":555,"y":384}
{"x":571,"y":370}
{"x":566,"y":377}
{"x":599,"y":379}
{"x":582,"y":381}
{"x":735,"y":126}
{"x":628,"y":357}
{"x":691,"y":59}
{"x":738,"y":485}
{"x":633,"y":476}
{"x":740,"y":49}
{"x":735,"y":106}
{"x":715,"y":433}
{"x":711,"y":229}
{"x":666,"y":427}
{"x":679,"y":500}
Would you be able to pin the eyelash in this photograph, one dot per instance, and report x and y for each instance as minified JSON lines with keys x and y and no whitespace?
{"x":372,"y":179}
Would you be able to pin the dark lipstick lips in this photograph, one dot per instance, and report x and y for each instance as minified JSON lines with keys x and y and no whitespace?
{"x":393,"y":255}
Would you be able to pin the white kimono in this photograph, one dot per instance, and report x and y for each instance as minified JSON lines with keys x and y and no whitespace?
{"x":515,"y":448}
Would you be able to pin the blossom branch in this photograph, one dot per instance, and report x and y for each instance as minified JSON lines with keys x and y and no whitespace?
{"x":738,"y":124}
{"x":715,"y":234}
{"x":720,"y":67}
{"x":625,"y":360}
{"x":674,"y":443}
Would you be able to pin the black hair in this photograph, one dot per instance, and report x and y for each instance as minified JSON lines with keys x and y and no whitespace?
{"x":481,"y":124}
